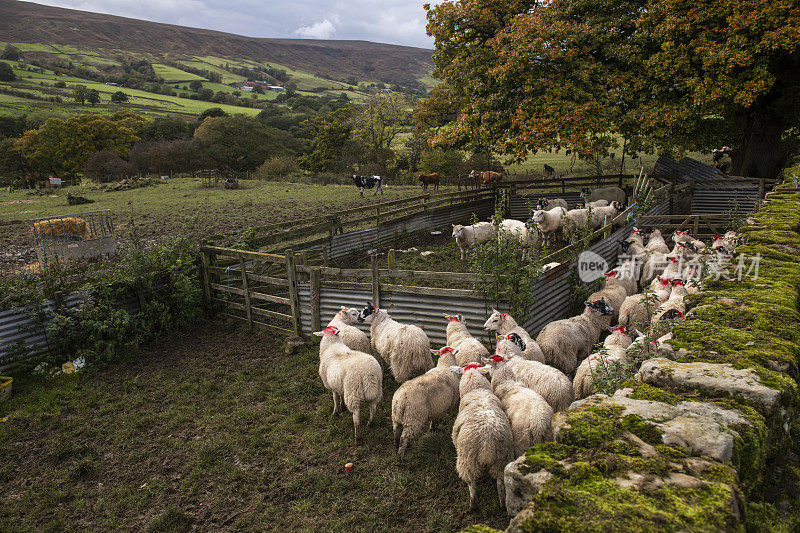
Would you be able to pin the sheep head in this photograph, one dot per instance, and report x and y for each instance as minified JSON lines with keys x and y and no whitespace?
{"x":495,"y":321}
{"x":330,"y":330}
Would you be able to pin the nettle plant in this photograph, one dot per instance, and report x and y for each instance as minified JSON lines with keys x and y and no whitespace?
{"x":506,"y":270}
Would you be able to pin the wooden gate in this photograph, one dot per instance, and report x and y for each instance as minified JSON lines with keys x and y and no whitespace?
{"x":254,"y":287}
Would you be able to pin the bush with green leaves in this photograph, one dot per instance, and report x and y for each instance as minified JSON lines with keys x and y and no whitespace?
{"x":145,"y":293}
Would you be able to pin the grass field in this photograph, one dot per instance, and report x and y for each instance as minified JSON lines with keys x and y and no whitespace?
{"x":218,"y":430}
{"x":179,"y":207}
{"x":172,"y":74}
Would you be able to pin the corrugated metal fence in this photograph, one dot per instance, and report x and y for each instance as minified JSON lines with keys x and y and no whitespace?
{"x":20,"y":327}
{"x":368,"y":238}
{"x":552,"y":293}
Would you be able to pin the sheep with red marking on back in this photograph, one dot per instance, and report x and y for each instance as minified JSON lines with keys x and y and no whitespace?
{"x":468,"y":348}
{"x":352,"y":377}
{"x":481,"y":433}
{"x":528,"y":412}
{"x":404,"y":347}
{"x":567,"y":342}
{"x":503,"y":323}
{"x":424,"y":399}
{"x":636,"y":311}
{"x":552,"y":384}
{"x":353,"y":337}
{"x":613,"y":355}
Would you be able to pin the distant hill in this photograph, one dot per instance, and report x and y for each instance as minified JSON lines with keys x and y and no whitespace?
{"x":33,"y":23}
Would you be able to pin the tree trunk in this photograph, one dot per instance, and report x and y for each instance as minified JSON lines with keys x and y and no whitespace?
{"x":761,"y":153}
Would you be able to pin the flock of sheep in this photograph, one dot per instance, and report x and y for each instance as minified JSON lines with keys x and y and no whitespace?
{"x":507,"y":399}
{"x":551,"y":221}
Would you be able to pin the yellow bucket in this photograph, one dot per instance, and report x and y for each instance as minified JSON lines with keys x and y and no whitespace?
{"x":5,"y":388}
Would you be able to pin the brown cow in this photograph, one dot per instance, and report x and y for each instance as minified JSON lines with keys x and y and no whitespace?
{"x":486,"y":177}
{"x":430,"y":179}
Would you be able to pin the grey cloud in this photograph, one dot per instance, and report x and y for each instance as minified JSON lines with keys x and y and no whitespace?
{"x":386,"y":21}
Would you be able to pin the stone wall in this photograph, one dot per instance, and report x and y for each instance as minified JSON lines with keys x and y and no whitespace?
{"x":706,"y":437}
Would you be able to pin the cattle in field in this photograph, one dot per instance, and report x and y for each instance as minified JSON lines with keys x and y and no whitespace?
{"x":368,"y":182}
{"x":430,"y":179}
{"x":549,"y":170}
{"x":487,"y":177}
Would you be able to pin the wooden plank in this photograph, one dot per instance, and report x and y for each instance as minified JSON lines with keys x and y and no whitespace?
{"x":226,"y":289}
{"x":376,"y":280}
{"x":294,"y":300}
{"x":228,"y":303}
{"x":390,"y":260}
{"x":233,"y":252}
{"x":713,"y":228}
{"x":429,"y":275}
{"x":410,"y":289}
{"x":348,"y":285}
{"x":314,"y":299}
{"x":269,"y":298}
{"x":246,"y":293}
{"x":272,"y":314}
{"x":206,"y":263}
{"x":682,"y":217}
{"x":277,"y":329}
{"x":270,"y":280}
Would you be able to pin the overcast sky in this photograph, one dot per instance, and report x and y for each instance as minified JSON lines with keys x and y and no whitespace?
{"x":385,"y":21}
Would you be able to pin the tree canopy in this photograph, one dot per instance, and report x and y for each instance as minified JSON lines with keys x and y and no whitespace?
{"x":667,"y":75}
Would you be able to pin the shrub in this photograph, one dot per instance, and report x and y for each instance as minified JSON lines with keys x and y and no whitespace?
{"x":277,"y":166}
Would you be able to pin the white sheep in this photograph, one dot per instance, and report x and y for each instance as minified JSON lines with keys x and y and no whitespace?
{"x":404,"y":347}
{"x":550,"y":266}
{"x":549,"y":223}
{"x":656,"y":242}
{"x":727,"y":243}
{"x":353,"y":337}
{"x":351,"y":376}
{"x":599,"y":214}
{"x":674,"y":307}
{"x":566,"y":342}
{"x":545,"y":203}
{"x":481,"y":434}
{"x":683,"y":237}
{"x":636,"y":312}
{"x":627,"y":274}
{"x":503,"y":324}
{"x":468,"y":236}
{"x":574,"y":220}
{"x":528,"y":412}
{"x":468,"y":348}
{"x":424,"y":399}
{"x":552,"y":384}
{"x":516,"y":229}
{"x":613,"y":355}
{"x":613,"y":292}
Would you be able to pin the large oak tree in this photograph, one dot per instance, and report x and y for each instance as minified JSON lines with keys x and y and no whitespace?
{"x":666,"y":75}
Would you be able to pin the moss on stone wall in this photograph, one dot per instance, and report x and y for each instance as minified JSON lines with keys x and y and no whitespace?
{"x":748,"y":324}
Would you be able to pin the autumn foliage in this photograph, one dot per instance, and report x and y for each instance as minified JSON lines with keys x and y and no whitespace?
{"x":667,"y":76}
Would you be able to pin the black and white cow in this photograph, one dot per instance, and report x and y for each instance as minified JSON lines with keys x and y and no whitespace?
{"x":368,"y":182}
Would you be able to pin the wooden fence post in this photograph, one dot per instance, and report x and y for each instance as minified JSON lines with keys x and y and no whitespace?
{"x":205,"y":262}
{"x":390,"y":259}
{"x":324,"y":255}
{"x":696,"y":225}
{"x":376,"y":281}
{"x":761,"y":189}
{"x":314,"y":297}
{"x":377,"y":216}
{"x":294,"y":300}
{"x":607,"y":225}
{"x":247,"y":310}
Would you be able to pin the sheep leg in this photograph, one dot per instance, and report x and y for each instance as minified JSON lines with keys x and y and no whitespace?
{"x":501,"y":493}
{"x":397,"y":429}
{"x":472,"y":503}
{"x":372,"y":408}
{"x":336,"y":406}
{"x":356,"y":425}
